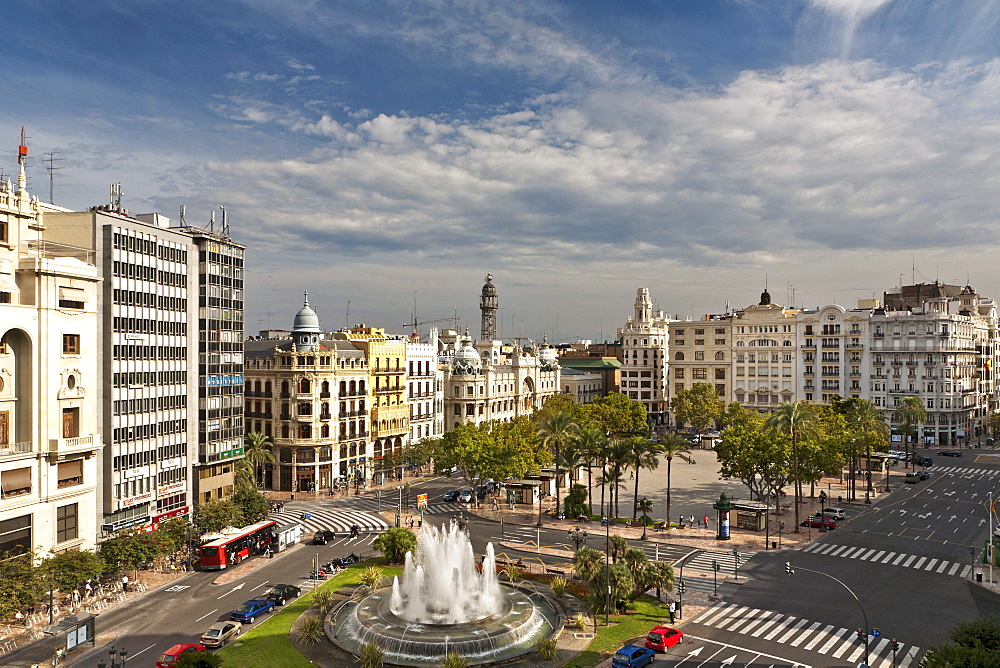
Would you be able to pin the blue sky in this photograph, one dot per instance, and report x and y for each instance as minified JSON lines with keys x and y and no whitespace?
{"x":377,"y":151}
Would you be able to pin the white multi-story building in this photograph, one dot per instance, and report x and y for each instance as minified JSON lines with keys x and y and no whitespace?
{"x":764,"y":355}
{"x":645,"y":348}
{"x":832,"y":344}
{"x":583,"y":387}
{"x":50,"y":427}
{"x":424,"y":388}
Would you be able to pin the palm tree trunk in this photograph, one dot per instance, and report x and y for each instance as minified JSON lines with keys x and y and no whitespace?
{"x":590,"y":486}
{"x":670,"y":460}
{"x":635,"y":496}
{"x":557,"y":480}
{"x":795,"y":472}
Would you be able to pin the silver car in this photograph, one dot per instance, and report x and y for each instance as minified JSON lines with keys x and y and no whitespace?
{"x":220,"y":633}
{"x":832,"y":513}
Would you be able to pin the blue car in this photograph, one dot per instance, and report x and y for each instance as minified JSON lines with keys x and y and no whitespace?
{"x":251,"y":610}
{"x":632,"y":656}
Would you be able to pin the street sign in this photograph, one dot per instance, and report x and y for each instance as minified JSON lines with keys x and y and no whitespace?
{"x":421,"y":500}
{"x":876,"y":633}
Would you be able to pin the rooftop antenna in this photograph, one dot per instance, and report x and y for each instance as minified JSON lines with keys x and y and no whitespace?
{"x":116,"y":197}
{"x":183,"y":217}
{"x":52,"y":159}
{"x":211,"y":221}
{"x":347,"y":318}
{"x":225,"y":221}
{"x":22,"y":149}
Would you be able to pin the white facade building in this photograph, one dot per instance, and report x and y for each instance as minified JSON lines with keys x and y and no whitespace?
{"x":425,"y":388}
{"x":645,"y":347}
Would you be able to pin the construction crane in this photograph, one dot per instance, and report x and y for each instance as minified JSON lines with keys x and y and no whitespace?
{"x":415,"y":324}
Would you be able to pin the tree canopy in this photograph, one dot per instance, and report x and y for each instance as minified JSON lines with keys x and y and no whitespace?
{"x":614,"y":414}
{"x":973,"y":643}
{"x":699,"y":407}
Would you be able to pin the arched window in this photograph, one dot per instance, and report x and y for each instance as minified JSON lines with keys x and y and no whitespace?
{"x":284,"y":387}
{"x":247,"y":386}
{"x":305,"y":431}
{"x":678,"y":356}
{"x":325,"y":387}
{"x":720,"y":355}
{"x":267,"y":386}
{"x":284,"y":431}
{"x":256,"y":386}
{"x":324,"y":431}
{"x":361,"y":387}
{"x":353,"y":388}
{"x":305,"y":386}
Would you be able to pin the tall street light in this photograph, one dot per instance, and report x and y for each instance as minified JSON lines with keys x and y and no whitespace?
{"x":791,"y":571}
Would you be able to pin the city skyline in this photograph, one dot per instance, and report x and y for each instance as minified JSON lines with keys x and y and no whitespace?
{"x":382,"y":152}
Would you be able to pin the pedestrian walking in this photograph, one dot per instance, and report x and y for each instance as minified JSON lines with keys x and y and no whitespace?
{"x":705,"y":520}
{"x":124,"y":583}
{"x":19,"y":618}
{"x":692,"y":521}
{"x":672,"y":608}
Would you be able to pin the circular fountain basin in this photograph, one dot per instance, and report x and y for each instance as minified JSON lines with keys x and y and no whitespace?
{"x":520,"y":620}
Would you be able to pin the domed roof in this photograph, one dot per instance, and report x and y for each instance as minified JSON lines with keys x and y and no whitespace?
{"x":937,"y":292}
{"x":306,"y":319}
{"x":467,"y":353}
{"x":489,"y":289}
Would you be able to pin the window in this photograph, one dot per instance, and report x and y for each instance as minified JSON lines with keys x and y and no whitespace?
{"x":3,"y":230}
{"x":66,"y":523}
{"x":720,"y":355}
{"x":71,"y":344}
{"x":679,"y":357}
{"x":15,"y":534}
{"x":699,"y":374}
{"x":720,"y":374}
{"x":678,"y":373}
{"x":699,"y":355}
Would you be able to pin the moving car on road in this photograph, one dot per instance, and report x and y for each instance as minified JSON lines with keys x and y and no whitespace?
{"x":950,"y":453}
{"x":465,"y":496}
{"x":819,"y":523}
{"x":662,"y":638}
{"x":282,"y":592}
{"x":323,"y":537}
{"x":923,"y":475}
{"x":451,"y":495}
{"x":251,"y":610}
{"x":632,"y":656}
{"x":219,"y":633}
{"x":912,"y":478}
{"x":169,"y":658}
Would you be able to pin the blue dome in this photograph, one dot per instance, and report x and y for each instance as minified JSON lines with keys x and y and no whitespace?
{"x":306,"y":319}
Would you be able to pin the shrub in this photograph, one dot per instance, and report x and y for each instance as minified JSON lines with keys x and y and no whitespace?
{"x":454,"y":660}
{"x":372,"y":576}
{"x":369,"y":656}
{"x":512,"y":572}
{"x":580,"y":622}
{"x":323,"y":599}
{"x":311,"y":631}
{"x":558,"y":585}
{"x":395,"y":543}
{"x":546,"y":648}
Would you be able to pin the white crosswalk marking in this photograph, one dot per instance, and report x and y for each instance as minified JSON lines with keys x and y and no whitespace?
{"x":888,"y":557}
{"x":910,"y":560}
{"x":839,"y":643}
{"x":922,"y":560}
{"x":337,"y":519}
{"x":838,"y":551}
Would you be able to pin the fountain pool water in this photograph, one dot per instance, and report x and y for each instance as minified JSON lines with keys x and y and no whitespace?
{"x":446,"y":603}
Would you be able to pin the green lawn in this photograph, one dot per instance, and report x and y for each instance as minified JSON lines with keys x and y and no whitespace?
{"x":268,"y":644}
{"x":648,"y":613}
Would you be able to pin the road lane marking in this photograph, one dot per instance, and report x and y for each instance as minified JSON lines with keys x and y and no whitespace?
{"x":793,"y":630}
{"x":781,"y":627}
{"x":806,"y":632}
{"x":742,"y":649}
{"x":141,"y":651}
{"x":206,"y":615}
{"x":825,"y":633}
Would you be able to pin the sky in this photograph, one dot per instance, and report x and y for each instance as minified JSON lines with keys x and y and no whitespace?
{"x":380,"y":154}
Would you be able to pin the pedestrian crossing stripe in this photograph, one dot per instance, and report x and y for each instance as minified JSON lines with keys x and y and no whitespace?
{"x":702,"y":560}
{"x":964,"y":470}
{"x":828,"y":640}
{"x":386,"y":505}
{"x":337,"y":520}
{"x":942,"y":566}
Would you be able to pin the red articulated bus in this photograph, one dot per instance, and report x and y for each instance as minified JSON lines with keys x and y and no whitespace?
{"x":236,"y":545}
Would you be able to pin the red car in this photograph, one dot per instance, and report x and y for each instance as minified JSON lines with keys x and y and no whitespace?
{"x":663,"y":638}
{"x":169,"y":658}
{"x":819,"y":522}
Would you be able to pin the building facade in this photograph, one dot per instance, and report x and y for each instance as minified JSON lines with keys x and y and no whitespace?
{"x":701,"y":352}
{"x":764,"y":355}
{"x":50,"y":428}
{"x":424,"y":388}
{"x":645,"y":350}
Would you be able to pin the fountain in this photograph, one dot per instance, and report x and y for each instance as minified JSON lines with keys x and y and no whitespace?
{"x":445,"y":603}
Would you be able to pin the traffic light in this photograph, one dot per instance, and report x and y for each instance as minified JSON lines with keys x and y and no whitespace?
{"x":715,"y":565}
{"x":861,"y":635}
{"x":681,"y":587}
{"x":894,"y":645}
{"x":788,"y":567}
{"x":782,"y":527}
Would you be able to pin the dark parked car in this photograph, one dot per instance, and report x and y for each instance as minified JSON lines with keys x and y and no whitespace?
{"x":923,"y":475}
{"x":282,"y":592}
{"x":451,"y":496}
{"x":251,"y":610}
{"x":632,"y":656}
{"x":323,"y":537}
{"x":950,"y":453}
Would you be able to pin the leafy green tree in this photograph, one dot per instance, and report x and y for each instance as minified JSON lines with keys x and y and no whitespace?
{"x":974,"y":643}
{"x":23,"y":583}
{"x":673,"y":446}
{"x":622,"y":585}
{"x":252,"y":505}
{"x":909,"y":415}
{"x":257,"y":453}
{"x":756,"y":458}
{"x":699,"y":407}
{"x":586,"y":562}
{"x":243,"y":475}
{"x":614,"y":414}
{"x":646,"y":574}
{"x":130,"y":549}
{"x":557,"y":403}
{"x":645,"y":506}
{"x":395,"y":543}
{"x":799,"y":423}
{"x":176,"y":532}
{"x":642,"y":454}
{"x":72,"y":567}
{"x":215,"y":515}
{"x":556,"y":433}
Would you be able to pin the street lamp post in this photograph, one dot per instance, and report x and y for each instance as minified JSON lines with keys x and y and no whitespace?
{"x":681,"y":588}
{"x":790,"y":571}
{"x":607,"y":571}
{"x":578,"y":537}
{"x":715,"y":577}
{"x":736,"y":564}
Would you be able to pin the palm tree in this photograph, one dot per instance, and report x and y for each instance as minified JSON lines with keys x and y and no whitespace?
{"x":256,"y":452}
{"x":910,"y":414}
{"x":674,"y":445}
{"x":617,"y":460}
{"x":645,"y":507}
{"x":591,"y":443}
{"x":555,"y":432}
{"x":798,"y":421}
{"x":642,"y":455}
{"x":868,"y":422}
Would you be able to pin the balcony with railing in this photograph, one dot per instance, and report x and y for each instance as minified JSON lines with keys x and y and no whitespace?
{"x":75,"y":445}
{"x":15,"y":449}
